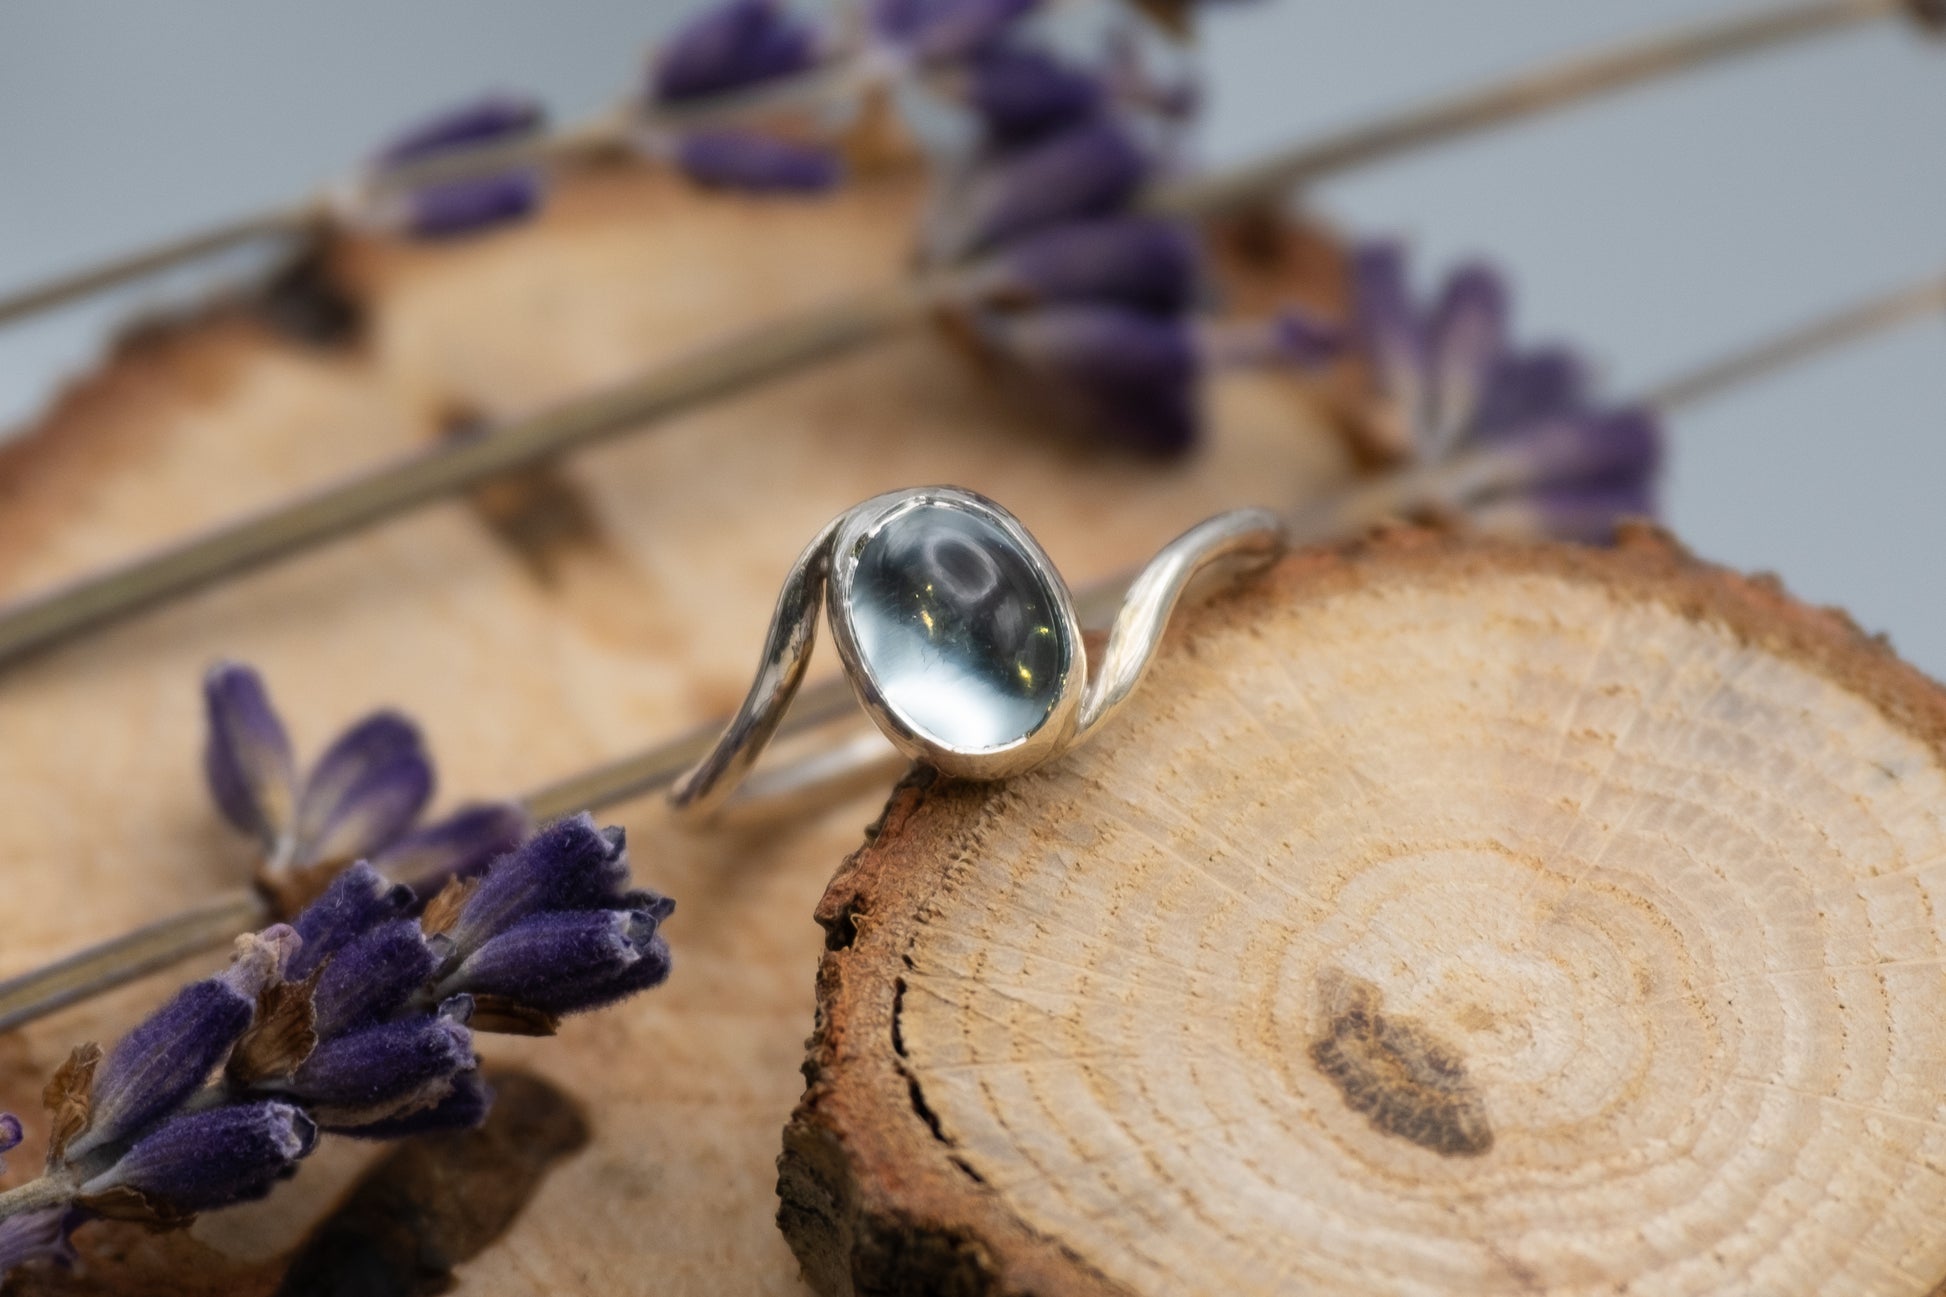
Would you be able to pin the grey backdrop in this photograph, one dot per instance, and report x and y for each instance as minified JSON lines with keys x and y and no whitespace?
{"x":1655,"y":228}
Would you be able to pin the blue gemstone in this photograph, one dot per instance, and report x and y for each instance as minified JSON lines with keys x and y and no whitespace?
{"x":960,"y":629}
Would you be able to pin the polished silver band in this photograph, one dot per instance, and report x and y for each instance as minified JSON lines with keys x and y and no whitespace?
{"x":959,"y":639}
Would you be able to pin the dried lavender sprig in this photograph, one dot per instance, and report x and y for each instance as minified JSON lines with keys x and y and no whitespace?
{"x":98,"y":969}
{"x":103,"y":967}
{"x":786,"y":346}
{"x":841,"y":77}
{"x":354,"y":1020}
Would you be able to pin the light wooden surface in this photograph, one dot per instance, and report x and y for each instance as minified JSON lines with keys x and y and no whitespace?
{"x":525,"y":659}
{"x":1442,"y":918}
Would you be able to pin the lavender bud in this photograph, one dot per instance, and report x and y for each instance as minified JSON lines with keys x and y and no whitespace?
{"x":462,"y":844}
{"x":1091,"y":169}
{"x":383,"y":1071}
{"x":1388,"y":326}
{"x":569,"y":865}
{"x":651,"y":970}
{"x":1134,"y":374}
{"x":1526,"y":387}
{"x":747,"y":160}
{"x":654,"y":905}
{"x":1021,"y":94}
{"x":483,"y":121}
{"x":1588,"y":513}
{"x":212,"y":1158}
{"x":1612,"y":446}
{"x":36,"y":1236}
{"x":728,"y":47}
{"x":371,"y":978}
{"x":563,"y":962}
{"x":465,"y":1107}
{"x":165,"y":1059}
{"x":466,"y":206}
{"x":1466,"y":339}
{"x":366,"y":790}
{"x":247,"y":756}
{"x":1133,"y":261}
{"x":934,"y":31}
{"x":357,"y":900}
{"x":11,"y":1134}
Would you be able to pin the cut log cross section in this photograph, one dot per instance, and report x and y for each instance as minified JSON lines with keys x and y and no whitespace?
{"x":1444,"y":917}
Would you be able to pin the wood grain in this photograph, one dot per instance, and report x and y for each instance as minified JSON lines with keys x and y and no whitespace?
{"x":1443,"y":917}
{"x":529,"y":653}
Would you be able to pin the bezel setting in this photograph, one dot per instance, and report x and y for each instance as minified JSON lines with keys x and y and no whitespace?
{"x":1055,"y":730}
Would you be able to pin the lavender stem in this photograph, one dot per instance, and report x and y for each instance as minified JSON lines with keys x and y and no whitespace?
{"x":1527,"y":94}
{"x":769,"y":351}
{"x":594,"y":135}
{"x":292,"y":222}
{"x":1874,"y":315}
{"x":34,"y":1195}
{"x":157,"y":945}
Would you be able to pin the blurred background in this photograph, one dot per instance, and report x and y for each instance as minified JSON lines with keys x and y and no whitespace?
{"x":1654,"y":229}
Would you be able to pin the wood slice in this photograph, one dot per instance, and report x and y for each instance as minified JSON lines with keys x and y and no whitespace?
{"x":571,"y":617}
{"x":1443,"y":917}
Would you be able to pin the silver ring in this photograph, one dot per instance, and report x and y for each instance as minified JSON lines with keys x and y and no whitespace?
{"x":959,"y":637}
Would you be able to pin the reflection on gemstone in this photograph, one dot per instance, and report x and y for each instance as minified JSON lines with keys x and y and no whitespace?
{"x":960,"y":631}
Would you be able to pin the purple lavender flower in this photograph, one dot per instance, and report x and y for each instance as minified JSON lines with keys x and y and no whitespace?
{"x":462,"y":843}
{"x":170,"y":1054}
{"x":486,"y":120}
{"x":756,"y":163}
{"x":11,"y":1134}
{"x":358,"y":900}
{"x":1136,"y":375}
{"x":247,"y":756}
{"x":213,"y":1158}
{"x":371,"y":977}
{"x":366,"y":789}
{"x":1091,"y":169}
{"x":1131,"y":373}
{"x":569,"y":865}
{"x":37,"y":1236}
{"x":567,"y":961}
{"x":1139,"y":262}
{"x":1513,"y":431}
{"x":383,"y":1071}
{"x":731,"y":47}
{"x":465,"y":1106}
{"x":1021,"y":94}
{"x":350,"y":1020}
{"x":475,"y":203}
{"x":359,"y":801}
